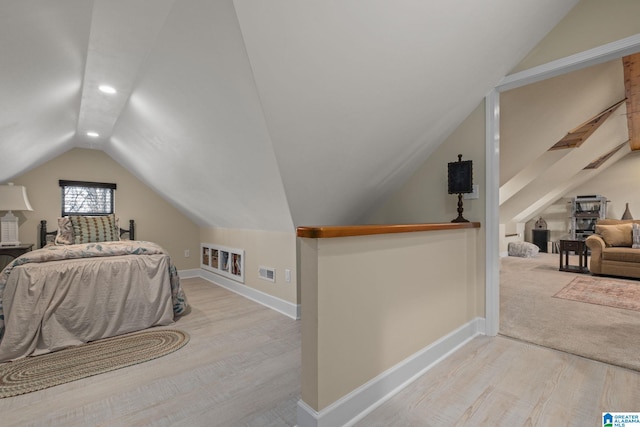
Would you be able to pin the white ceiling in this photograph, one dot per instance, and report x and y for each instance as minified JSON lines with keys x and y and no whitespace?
{"x":251,"y":113}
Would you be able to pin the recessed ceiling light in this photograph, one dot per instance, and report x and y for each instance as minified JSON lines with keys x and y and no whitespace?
{"x":107,"y":89}
{"x":93,"y":134}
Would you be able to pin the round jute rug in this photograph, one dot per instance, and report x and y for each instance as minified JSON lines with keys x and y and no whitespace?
{"x":74,"y":363}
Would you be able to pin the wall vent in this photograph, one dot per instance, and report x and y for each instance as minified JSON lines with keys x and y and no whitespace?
{"x":267,"y":273}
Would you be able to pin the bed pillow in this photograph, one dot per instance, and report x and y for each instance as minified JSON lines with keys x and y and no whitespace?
{"x":118,"y":230}
{"x":636,"y":236}
{"x":91,"y":229}
{"x":616,"y":235}
{"x":65,"y":232}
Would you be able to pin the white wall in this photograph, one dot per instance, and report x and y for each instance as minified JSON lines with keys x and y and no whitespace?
{"x":357,"y":94}
{"x":193,"y":128}
{"x":590,"y":23}
{"x":616,"y":183}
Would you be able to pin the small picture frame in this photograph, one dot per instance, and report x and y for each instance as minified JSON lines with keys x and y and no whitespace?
{"x":236,"y":263}
{"x":214,"y":258}
{"x":222,"y":260}
{"x":205,"y":256}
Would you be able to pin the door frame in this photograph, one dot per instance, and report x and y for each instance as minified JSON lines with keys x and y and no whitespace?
{"x":598,"y":55}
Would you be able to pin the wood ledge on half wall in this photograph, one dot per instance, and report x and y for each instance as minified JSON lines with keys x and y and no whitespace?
{"x":324,"y":232}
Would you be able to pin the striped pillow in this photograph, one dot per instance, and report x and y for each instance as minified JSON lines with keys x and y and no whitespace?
{"x":91,"y":229}
{"x":636,"y":236}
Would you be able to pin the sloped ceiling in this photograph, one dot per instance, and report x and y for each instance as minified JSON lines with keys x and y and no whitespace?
{"x":254,"y":114}
{"x":535,"y":117}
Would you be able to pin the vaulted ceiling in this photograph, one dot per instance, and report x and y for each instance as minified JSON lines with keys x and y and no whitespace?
{"x":558,"y":134}
{"x":251,"y":113}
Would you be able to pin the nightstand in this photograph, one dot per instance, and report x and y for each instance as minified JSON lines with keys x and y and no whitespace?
{"x":15,"y":251}
{"x":580,"y":249}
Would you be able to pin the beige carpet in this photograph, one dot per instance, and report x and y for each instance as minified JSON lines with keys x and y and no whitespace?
{"x":74,"y":363}
{"x":529,"y":312}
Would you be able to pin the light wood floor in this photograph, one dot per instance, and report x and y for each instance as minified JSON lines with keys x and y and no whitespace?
{"x":502,"y":382}
{"x":242,"y":368}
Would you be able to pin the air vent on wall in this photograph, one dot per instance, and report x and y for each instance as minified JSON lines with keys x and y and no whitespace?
{"x":267,"y":273}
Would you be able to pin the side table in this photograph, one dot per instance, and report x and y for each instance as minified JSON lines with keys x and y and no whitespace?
{"x":16,"y":251}
{"x":13,"y":252}
{"x":580,"y":249}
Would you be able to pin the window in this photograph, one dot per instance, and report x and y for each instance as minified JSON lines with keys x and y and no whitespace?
{"x":87,"y":198}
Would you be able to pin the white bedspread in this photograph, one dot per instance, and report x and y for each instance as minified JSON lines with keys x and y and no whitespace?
{"x":52,"y":305}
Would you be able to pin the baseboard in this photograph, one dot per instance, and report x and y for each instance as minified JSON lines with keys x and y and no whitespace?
{"x":189,"y":274}
{"x":285,"y":307}
{"x":356,"y":405}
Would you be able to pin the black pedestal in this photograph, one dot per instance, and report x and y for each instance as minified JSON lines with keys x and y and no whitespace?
{"x":540,"y":239}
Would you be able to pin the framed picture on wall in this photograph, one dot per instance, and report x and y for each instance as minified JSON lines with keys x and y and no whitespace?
{"x":214,"y":258}
{"x":205,"y":256}
{"x":223,"y":260}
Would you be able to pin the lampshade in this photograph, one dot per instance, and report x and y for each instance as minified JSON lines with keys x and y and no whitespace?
{"x":14,"y":198}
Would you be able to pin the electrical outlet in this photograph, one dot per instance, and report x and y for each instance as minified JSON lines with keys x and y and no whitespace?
{"x":186,"y":253}
{"x":473,"y":195}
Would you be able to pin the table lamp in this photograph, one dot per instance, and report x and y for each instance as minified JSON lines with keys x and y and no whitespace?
{"x":12,"y":198}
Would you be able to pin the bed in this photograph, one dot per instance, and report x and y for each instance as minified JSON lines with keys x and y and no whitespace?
{"x":84,"y":287}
